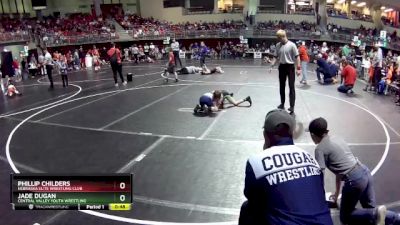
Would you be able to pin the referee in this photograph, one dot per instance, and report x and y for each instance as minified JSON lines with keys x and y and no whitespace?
{"x":287,"y":55}
{"x":175,"y":50}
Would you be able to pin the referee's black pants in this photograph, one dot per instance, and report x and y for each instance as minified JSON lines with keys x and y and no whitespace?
{"x":287,"y":71}
{"x":177,"y":59}
{"x":49,"y":70}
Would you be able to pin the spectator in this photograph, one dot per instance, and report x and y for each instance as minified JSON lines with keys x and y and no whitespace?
{"x":377,"y":63}
{"x":225,"y":51}
{"x":17,"y":69}
{"x":218,"y":50}
{"x":82,"y":56}
{"x":96,"y":58}
{"x":49,"y":63}
{"x":358,"y":52}
{"x":116,"y":63}
{"x":63,"y":71}
{"x":303,"y":53}
{"x":76,"y":59}
{"x":146,"y":48}
{"x":203,"y":52}
{"x":42,"y":67}
{"x":33,"y":66}
{"x":349,"y":75}
{"x":283,"y":184}
{"x":345,"y":51}
{"x":126,"y":54}
{"x":135,"y":53}
{"x":324,"y":48}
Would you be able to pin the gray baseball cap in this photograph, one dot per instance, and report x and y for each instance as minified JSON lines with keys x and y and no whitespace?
{"x":276,"y":117}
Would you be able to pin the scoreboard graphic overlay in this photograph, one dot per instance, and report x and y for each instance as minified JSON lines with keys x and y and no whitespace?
{"x":66,"y":192}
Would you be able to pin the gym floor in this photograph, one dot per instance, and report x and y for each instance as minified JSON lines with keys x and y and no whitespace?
{"x":186,"y":168}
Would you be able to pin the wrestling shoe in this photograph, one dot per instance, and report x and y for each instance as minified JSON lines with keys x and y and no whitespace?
{"x":116,"y":84}
{"x":248,"y":99}
{"x":380,"y":215}
{"x":205,"y":109}
{"x":231,"y":94}
{"x":291,"y":110}
{"x":124,"y":83}
{"x":281,"y":106}
{"x":197,"y":108}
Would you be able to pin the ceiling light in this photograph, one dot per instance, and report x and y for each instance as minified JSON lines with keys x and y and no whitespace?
{"x":341,"y":1}
{"x":329,"y":1}
{"x":302,"y":3}
{"x":383,"y":7}
{"x":388,"y":10}
{"x":361,"y":4}
{"x":353,"y":2}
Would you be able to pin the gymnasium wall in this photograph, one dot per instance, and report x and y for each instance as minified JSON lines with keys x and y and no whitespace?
{"x":64,"y":6}
{"x":67,"y":6}
{"x":156,"y":10}
{"x":274,"y":4}
{"x":10,"y":7}
{"x":14,"y":49}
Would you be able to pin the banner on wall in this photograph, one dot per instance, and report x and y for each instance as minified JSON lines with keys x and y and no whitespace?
{"x":26,"y":50}
{"x":383,"y":34}
{"x":257,"y":55}
{"x":166,"y":41}
{"x":243,"y":40}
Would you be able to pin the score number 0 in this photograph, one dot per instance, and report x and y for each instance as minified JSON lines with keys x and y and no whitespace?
{"x":122,"y":187}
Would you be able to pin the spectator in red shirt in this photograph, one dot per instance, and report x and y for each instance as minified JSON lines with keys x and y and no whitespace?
{"x":349,"y":74}
{"x":17,"y":71}
{"x":116,"y":63}
{"x":304,"y":61}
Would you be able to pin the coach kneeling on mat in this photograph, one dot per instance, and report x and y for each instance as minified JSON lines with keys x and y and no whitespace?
{"x":333,"y":153}
{"x":284,"y":184}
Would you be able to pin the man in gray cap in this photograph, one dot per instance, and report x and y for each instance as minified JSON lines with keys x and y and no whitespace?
{"x":284,"y":183}
{"x":333,"y":153}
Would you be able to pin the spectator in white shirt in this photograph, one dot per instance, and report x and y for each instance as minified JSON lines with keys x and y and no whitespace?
{"x":48,"y":62}
{"x":377,"y":62}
